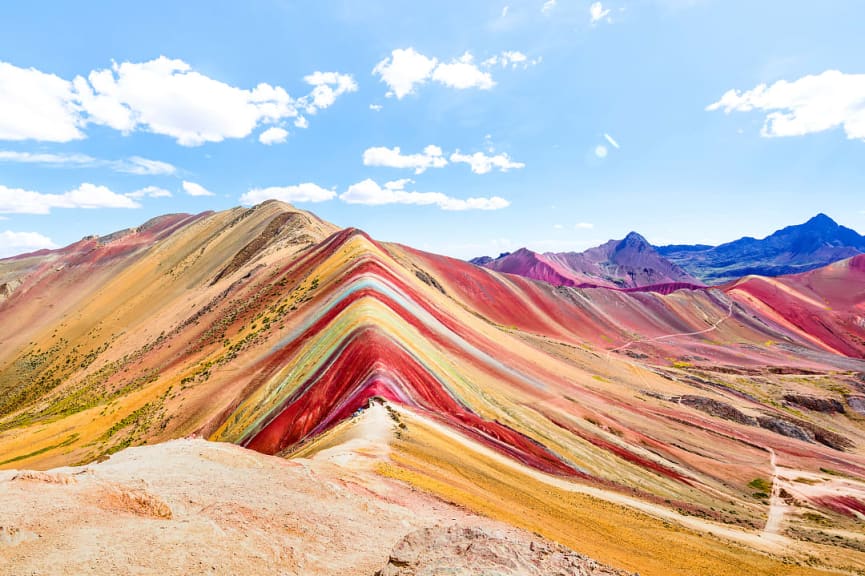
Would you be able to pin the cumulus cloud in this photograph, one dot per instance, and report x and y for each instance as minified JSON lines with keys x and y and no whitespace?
{"x":406,"y":69}
{"x":166,"y":96}
{"x":305,"y":192}
{"x":12,"y":243}
{"x":273,"y":135}
{"x":150,"y":192}
{"x":431,"y":157}
{"x":194,"y":189}
{"x":163,"y":96}
{"x":597,"y":12}
{"x":371,"y":193}
{"x":19,"y":201}
{"x":462,"y":73}
{"x":327,"y":87}
{"x":132,"y":165}
{"x":403,"y":70}
{"x":810,"y":104}
{"x":376,"y":107}
{"x":482,"y":163}
{"x":37,"y":106}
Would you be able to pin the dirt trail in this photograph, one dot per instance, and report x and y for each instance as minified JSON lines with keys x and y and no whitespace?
{"x":759,"y":540}
{"x":711,"y":328}
{"x":776,"y":503}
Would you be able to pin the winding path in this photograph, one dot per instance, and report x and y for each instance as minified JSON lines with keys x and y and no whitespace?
{"x":711,"y":328}
{"x":776,"y":503}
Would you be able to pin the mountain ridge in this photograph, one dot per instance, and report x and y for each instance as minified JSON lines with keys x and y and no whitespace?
{"x":797,"y":248}
{"x":499,"y":385}
{"x":628,"y":263}
{"x":790,"y":250}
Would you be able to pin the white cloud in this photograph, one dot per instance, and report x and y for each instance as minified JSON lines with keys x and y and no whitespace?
{"x":371,"y":193}
{"x":403,"y":70}
{"x":597,"y":12}
{"x":376,"y":107}
{"x":18,"y":201}
{"x":132,"y":165}
{"x":505,"y":10}
{"x":273,"y":135}
{"x":305,"y":192}
{"x":584,"y":225}
{"x":194,"y":189}
{"x":511,"y":58}
{"x":482,"y":164}
{"x":12,"y":243}
{"x":601,"y":151}
{"x":810,"y":104}
{"x":301,"y":122}
{"x":36,"y":106}
{"x":612,"y":142}
{"x":432,"y":157}
{"x":462,"y":73}
{"x":166,"y":96}
{"x":548,"y":6}
{"x":144,"y":166}
{"x":558,"y":227}
{"x":163,"y":96}
{"x":91,"y":196}
{"x":51,"y":159}
{"x":406,"y":69}
{"x":150,"y":192}
{"x":327,"y":87}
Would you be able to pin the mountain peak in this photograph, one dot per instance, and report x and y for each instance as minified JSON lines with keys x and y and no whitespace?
{"x":822,"y":221}
{"x":635,"y":237}
{"x":633,"y":241}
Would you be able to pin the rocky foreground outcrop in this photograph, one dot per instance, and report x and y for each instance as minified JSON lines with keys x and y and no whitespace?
{"x":462,"y":551}
{"x":195,"y":507}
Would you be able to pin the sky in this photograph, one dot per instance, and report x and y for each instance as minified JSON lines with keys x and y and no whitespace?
{"x":463,"y":128}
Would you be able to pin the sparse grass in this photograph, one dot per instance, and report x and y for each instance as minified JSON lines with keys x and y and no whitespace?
{"x":760,"y":484}
{"x":69,"y":440}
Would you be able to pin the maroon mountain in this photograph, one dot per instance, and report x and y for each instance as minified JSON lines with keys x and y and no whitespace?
{"x":628,"y":263}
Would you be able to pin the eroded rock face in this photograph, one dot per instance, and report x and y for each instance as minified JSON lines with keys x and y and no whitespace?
{"x":857,"y":403}
{"x":717,"y":408}
{"x":785,"y":428}
{"x":815,"y":403}
{"x":468,"y":551}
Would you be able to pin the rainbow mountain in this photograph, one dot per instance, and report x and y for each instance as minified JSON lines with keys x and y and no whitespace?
{"x":628,"y":425}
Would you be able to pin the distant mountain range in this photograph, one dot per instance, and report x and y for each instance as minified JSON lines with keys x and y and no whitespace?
{"x":628,"y":263}
{"x":817,"y":242}
{"x":634,"y":263}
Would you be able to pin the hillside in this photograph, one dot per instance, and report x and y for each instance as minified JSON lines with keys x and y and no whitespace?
{"x":624,"y":425}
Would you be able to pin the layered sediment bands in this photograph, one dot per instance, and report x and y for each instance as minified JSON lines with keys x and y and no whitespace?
{"x":269,"y":328}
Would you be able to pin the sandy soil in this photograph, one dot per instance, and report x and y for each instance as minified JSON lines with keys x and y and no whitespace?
{"x":197,"y":507}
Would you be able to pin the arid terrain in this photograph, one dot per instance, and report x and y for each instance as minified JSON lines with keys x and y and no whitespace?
{"x":384,"y":400}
